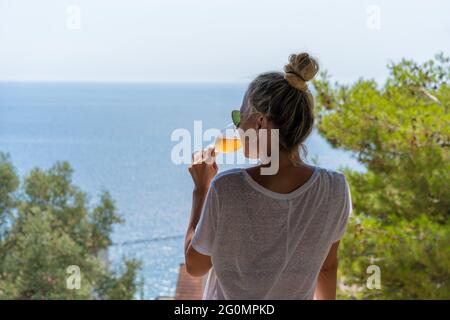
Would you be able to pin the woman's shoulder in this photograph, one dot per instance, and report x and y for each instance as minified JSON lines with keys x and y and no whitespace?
{"x":230,"y":177}
{"x":227,"y":174}
{"x":336,"y":180}
{"x":331,"y":173}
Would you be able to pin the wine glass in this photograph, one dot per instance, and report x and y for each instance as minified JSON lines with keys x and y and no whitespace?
{"x":227,"y":141}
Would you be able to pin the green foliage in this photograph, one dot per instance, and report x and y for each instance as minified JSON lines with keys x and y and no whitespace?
{"x":52,"y":227}
{"x":412,"y":255}
{"x":8,"y":185}
{"x":401,"y":132}
{"x":113,"y":287}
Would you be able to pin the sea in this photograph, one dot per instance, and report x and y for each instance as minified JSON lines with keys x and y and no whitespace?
{"x":119,"y":137}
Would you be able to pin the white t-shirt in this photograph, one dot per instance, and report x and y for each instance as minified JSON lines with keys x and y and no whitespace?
{"x":268,"y":245}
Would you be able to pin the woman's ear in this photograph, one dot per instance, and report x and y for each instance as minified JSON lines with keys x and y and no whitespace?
{"x":260,"y":122}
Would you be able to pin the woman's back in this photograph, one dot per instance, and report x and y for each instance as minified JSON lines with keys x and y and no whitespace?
{"x":269,"y":245}
{"x":269,"y":234}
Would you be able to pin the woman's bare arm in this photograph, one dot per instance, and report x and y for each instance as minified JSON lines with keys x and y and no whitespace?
{"x":326,"y":282}
{"x":197,"y":264}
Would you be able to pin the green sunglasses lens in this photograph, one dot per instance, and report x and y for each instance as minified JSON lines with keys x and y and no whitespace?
{"x":236,"y":117}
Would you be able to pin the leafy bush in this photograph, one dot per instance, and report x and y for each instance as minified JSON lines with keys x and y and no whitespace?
{"x":400,"y":131}
{"x":46,"y":226}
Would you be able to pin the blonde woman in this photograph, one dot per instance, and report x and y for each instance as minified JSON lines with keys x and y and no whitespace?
{"x":270,"y":236}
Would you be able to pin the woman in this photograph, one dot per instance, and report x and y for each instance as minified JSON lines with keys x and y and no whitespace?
{"x":270,"y":236}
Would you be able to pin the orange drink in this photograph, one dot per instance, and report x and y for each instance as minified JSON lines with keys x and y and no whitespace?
{"x":227,"y":144}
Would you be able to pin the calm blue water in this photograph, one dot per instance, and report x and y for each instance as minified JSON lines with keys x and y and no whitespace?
{"x":117,"y":137}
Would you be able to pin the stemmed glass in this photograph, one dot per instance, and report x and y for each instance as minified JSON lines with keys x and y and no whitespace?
{"x":227,"y":141}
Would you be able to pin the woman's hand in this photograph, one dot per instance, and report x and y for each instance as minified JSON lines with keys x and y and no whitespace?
{"x":203,"y":169}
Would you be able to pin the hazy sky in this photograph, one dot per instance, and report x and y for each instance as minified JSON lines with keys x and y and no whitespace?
{"x":212,"y":40}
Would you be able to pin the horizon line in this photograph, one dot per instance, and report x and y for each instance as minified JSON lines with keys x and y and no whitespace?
{"x":345,"y":81}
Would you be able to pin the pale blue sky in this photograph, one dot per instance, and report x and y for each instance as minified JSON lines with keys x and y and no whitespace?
{"x":214,"y":40}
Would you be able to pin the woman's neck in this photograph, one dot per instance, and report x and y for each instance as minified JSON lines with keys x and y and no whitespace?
{"x":287,"y":160}
{"x":290,"y":176}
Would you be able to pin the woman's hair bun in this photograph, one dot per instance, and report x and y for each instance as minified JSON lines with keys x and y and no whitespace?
{"x":300,"y":69}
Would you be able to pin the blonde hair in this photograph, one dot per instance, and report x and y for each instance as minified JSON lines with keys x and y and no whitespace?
{"x":285,"y":99}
